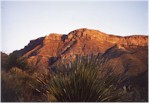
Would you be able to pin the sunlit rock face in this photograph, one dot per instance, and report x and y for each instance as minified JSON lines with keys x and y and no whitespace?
{"x":125,"y":53}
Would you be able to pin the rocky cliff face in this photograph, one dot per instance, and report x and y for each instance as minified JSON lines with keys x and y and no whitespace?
{"x":44,"y":52}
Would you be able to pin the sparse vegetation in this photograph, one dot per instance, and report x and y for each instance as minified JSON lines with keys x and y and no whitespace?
{"x":15,"y":61}
{"x":81,"y":80}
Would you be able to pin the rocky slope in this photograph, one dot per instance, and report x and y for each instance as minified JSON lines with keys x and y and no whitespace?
{"x":124,"y":54}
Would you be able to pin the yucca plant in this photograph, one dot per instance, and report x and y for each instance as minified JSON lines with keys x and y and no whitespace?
{"x":79,"y":81}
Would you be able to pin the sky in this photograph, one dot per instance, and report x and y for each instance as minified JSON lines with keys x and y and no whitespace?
{"x":22,"y":21}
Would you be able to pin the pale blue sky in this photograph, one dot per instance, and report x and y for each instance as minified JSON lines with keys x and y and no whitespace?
{"x":26,"y":20}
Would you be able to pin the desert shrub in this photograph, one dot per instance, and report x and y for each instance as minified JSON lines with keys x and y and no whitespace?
{"x":15,"y":61}
{"x":16,"y":87}
{"x":79,"y":81}
{"x":135,"y":94}
{"x":7,"y":91}
{"x":137,"y":90}
{"x":14,"y":83}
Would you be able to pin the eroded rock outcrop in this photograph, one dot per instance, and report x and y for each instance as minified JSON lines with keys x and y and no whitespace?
{"x":44,"y":52}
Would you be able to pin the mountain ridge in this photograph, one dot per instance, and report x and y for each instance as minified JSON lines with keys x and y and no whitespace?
{"x":45,"y":51}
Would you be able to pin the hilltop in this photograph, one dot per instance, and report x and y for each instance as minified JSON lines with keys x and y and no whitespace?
{"x":127,"y":54}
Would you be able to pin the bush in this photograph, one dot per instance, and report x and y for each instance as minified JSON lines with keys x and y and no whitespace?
{"x":79,"y":81}
{"x":16,"y":87}
{"x":14,"y":61}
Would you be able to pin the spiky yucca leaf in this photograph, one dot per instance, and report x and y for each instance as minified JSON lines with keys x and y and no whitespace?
{"x":79,"y":81}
